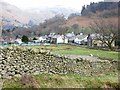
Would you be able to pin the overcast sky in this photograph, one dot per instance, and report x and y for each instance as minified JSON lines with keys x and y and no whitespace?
{"x":27,"y":4}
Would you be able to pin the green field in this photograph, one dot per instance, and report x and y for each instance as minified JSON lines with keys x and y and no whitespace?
{"x":63,"y":81}
{"x":75,"y":50}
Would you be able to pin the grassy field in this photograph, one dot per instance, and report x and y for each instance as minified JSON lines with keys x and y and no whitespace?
{"x":63,"y":81}
{"x":75,"y":50}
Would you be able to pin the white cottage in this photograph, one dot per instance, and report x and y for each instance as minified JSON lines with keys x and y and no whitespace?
{"x":81,"y":39}
{"x":42,"y":38}
{"x":18,"y":41}
{"x":70,"y":36}
{"x":59,"y":39}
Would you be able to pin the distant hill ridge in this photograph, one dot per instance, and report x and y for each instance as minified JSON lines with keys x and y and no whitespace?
{"x":102,"y":9}
{"x":12,"y":14}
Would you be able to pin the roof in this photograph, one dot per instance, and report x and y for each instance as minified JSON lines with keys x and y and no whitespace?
{"x":56,"y":36}
{"x":44,"y":37}
{"x":70,"y":35}
{"x":81,"y":36}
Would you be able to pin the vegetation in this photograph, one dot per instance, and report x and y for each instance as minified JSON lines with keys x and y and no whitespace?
{"x":63,"y":81}
{"x":76,"y":50}
{"x":109,"y":9}
{"x":107,"y":30}
{"x":25,"y":39}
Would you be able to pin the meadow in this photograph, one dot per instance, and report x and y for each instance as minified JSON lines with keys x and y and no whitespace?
{"x":65,"y":49}
{"x":63,"y":81}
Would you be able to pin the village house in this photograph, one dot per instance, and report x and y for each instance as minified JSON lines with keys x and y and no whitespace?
{"x":81,"y":39}
{"x":59,"y":39}
{"x":1,"y":40}
{"x":18,"y":41}
{"x":43,"y":39}
{"x":98,"y":43}
{"x":71,"y":37}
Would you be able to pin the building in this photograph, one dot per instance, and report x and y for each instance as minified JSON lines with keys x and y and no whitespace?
{"x":81,"y":39}
{"x":59,"y":39}
{"x":18,"y":41}
{"x":42,"y":39}
{"x":71,"y":37}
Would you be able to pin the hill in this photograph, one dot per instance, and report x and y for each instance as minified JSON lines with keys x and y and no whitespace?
{"x":14,"y":16}
{"x":102,"y":9}
{"x":95,"y":11}
{"x":84,"y":21}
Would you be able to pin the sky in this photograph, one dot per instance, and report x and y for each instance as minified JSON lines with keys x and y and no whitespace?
{"x":27,"y":4}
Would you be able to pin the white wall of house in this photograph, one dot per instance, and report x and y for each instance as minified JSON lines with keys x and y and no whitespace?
{"x":37,"y":41}
{"x":19,"y":41}
{"x":60,"y":40}
{"x":66,"y":40}
{"x":79,"y":41}
{"x":41,"y":39}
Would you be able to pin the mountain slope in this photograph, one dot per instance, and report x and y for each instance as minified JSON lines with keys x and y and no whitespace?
{"x":13,"y":15}
{"x":103,"y":9}
{"x":84,"y":21}
{"x":12,"y":12}
{"x":95,"y":11}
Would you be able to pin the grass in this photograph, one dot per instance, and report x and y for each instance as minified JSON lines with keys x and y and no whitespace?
{"x":75,"y":50}
{"x":63,"y":81}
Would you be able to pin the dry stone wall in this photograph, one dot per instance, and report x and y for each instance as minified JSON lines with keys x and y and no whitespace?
{"x":17,"y":61}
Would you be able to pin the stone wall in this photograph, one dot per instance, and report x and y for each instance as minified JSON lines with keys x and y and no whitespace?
{"x":17,"y":61}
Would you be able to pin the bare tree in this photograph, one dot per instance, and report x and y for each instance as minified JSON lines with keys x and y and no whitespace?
{"x":107,"y":31}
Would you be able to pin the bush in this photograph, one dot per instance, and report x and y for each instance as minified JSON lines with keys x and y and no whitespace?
{"x":25,"y":39}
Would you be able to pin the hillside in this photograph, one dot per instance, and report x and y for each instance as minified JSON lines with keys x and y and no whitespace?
{"x":12,"y":15}
{"x":101,"y":9}
{"x":11,"y":12}
{"x":95,"y":11}
{"x":84,"y":21}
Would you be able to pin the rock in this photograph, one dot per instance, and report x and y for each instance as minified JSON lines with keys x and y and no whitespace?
{"x":0,"y":76}
{"x":3,"y":72}
{"x":20,"y":61}
{"x":36,"y":73}
{"x":17,"y":75}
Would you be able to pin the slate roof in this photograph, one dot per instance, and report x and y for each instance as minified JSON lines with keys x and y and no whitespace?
{"x":81,"y":36}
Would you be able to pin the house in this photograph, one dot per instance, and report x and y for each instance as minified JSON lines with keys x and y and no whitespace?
{"x":9,"y":42}
{"x":42,"y":39}
{"x":81,"y":39}
{"x":71,"y":37}
{"x":57,"y":39}
{"x":1,"y":40}
{"x":98,"y":43}
{"x":36,"y":41}
{"x":18,"y":41}
{"x":65,"y":39}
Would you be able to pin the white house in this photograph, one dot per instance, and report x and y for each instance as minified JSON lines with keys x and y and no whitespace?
{"x":42,"y":38}
{"x":65,"y":40}
{"x":57,"y":39}
{"x":70,"y":36}
{"x":18,"y":41}
{"x":81,"y":39}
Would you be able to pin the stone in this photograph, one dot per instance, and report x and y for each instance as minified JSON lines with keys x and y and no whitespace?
{"x":19,"y":61}
{"x":17,"y":75}
{"x":36,"y":73}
